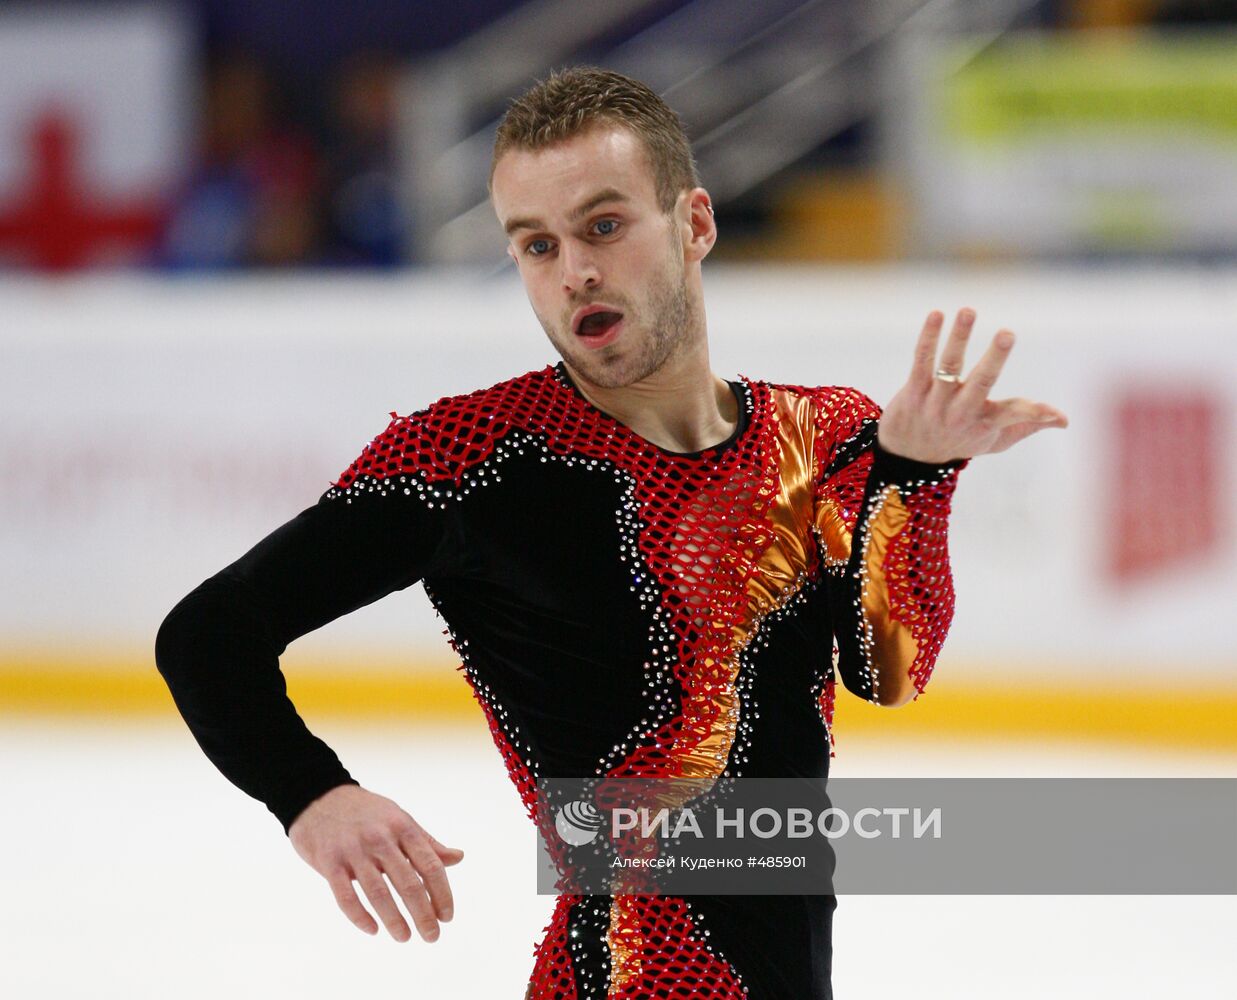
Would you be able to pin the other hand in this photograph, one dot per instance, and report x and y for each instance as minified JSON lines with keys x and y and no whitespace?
{"x":351,"y":834}
{"x":931,"y":419}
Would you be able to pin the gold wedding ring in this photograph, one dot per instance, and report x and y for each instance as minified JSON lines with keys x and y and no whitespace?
{"x":945,"y":375}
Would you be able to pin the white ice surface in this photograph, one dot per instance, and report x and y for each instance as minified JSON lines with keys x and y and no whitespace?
{"x":133,"y":870}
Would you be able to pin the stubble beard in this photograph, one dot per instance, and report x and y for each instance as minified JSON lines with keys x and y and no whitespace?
{"x":667,"y":318}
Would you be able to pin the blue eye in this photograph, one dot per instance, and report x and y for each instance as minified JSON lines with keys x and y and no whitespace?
{"x":538,"y":247}
{"x":612,"y":223}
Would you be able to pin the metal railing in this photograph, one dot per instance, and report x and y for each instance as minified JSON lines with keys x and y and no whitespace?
{"x":757,"y":85}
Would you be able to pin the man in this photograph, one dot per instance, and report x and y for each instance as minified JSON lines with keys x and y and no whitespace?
{"x":643,"y":566}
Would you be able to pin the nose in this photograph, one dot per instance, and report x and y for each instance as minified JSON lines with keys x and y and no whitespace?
{"x":579,"y":266}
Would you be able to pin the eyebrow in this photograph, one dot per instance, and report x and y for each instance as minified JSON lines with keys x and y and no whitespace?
{"x":581,"y":210}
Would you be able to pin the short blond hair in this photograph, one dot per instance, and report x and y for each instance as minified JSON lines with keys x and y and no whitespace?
{"x":573,"y":101}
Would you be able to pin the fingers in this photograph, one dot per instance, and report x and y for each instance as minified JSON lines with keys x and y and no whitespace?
{"x":954,"y":354}
{"x":415,"y":866}
{"x":421,"y":853}
{"x":1014,"y":420}
{"x":448,"y":855}
{"x":408,"y":882}
{"x":370,"y":878}
{"x":1007,"y":412}
{"x":925,"y":350}
{"x":979,"y":383}
{"x":341,"y":885}
{"x":1010,"y":436}
{"x":934,"y":416}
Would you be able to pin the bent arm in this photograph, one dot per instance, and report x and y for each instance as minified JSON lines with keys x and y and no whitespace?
{"x":219,"y":647}
{"x":882,"y":520}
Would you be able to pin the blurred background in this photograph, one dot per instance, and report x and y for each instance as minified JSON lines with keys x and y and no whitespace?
{"x":235,"y":235}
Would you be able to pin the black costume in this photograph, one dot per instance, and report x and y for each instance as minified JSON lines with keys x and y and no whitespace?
{"x":619,"y":609}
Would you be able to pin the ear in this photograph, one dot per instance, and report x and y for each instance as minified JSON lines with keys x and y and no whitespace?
{"x":697,"y":225}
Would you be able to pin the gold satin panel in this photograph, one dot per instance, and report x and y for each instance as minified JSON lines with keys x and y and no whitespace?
{"x":834,"y":535}
{"x":780,"y":570}
{"x":784,"y":562}
{"x":624,"y":940}
{"x":892,"y":648}
{"x":707,"y":759}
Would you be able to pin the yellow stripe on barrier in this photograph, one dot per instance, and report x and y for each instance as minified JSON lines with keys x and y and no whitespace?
{"x":127,"y":686}
{"x":427,"y":688}
{"x":1137,"y":713}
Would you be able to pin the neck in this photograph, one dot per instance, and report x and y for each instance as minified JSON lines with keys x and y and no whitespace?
{"x":681,"y":407}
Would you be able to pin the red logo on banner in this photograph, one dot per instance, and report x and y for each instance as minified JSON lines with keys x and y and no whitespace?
{"x":55,"y":224}
{"x":1169,"y":477}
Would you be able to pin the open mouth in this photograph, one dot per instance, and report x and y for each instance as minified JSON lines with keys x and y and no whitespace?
{"x":598,"y":324}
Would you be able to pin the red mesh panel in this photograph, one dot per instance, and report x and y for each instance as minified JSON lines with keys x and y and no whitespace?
{"x":673,"y":958}
{"x":522,"y":777}
{"x":841,"y":413}
{"x":824,"y":704}
{"x":553,"y":977}
{"x":670,"y":956}
{"x":518,"y":770}
{"x":921,"y":593}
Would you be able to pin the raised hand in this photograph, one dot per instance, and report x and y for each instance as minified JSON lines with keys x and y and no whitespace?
{"x":350,"y":834}
{"x":939,"y":416}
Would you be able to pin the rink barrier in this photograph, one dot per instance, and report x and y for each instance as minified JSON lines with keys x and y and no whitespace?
{"x":1135,"y":712}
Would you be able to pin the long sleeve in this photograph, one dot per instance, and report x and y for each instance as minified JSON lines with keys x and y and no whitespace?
{"x":882,"y":522}
{"x":219,"y":648}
